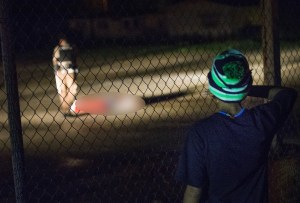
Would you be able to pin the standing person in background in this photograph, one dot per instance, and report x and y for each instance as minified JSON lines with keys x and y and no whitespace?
{"x":224,"y":158}
{"x":65,"y":68}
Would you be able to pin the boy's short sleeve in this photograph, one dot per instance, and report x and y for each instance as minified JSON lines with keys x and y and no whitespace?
{"x":191,"y":169}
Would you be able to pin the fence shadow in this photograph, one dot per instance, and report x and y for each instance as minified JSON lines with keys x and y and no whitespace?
{"x":166,"y":97}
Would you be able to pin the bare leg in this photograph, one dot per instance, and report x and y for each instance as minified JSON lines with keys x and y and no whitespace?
{"x":62,"y":90}
{"x":72,"y":88}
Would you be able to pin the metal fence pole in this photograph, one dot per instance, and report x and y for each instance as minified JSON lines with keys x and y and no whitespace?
{"x":271,"y":43}
{"x":10,"y":76}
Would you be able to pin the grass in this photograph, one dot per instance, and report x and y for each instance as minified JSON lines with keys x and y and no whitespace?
{"x":121,"y":51}
{"x":138,"y":50}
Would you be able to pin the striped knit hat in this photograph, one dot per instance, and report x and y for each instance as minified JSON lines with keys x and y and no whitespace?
{"x":230,"y":77}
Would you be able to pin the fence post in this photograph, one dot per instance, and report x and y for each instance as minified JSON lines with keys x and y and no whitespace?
{"x":14,"y":116}
{"x":271,"y":44}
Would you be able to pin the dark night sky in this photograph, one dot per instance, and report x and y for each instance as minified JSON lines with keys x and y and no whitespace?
{"x":71,"y":8}
{"x":57,"y":8}
{"x":41,"y":20}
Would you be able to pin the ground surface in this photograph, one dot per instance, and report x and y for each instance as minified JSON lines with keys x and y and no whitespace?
{"x":127,"y":158}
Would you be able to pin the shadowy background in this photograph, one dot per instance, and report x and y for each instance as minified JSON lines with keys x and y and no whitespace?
{"x":160,"y":50}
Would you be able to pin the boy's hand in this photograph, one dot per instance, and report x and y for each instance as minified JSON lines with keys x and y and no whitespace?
{"x":192,"y":194}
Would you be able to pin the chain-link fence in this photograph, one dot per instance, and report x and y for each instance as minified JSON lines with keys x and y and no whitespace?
{"x":159,"y":50}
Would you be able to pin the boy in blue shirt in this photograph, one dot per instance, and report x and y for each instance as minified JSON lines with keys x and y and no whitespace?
{"x":224,"y":159}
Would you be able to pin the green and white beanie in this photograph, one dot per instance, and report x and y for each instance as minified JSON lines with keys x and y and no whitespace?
{"x":230,"y":77}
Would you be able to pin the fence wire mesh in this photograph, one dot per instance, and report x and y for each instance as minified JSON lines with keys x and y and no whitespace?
{"x":161,"y":51}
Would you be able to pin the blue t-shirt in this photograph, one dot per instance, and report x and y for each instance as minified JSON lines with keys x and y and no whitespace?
{"x":227,"y":157}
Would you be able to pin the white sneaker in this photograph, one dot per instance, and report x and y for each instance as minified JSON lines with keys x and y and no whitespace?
{"x":75,"y":111}
{"x":74,"y":108}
